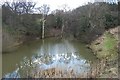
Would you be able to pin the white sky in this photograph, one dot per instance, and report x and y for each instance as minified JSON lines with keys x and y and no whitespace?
{"x":57,"y":4}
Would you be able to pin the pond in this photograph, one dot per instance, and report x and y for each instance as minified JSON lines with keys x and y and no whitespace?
{"x":46,"y":54}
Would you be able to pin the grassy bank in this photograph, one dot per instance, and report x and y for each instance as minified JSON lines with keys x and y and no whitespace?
{"x":106,"y":48}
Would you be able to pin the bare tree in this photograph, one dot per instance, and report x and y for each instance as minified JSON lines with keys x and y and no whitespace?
{"x":64,"y":8}
{"x":21,"y":7}
{"x":44,"y":11}
{"x":13,"y":6}
{"x":28,"y":7}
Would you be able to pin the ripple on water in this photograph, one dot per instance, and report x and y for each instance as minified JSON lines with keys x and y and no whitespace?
{"x":61,"y":55}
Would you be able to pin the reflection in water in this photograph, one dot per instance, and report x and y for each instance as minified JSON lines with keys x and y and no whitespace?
{"x":14,"y":74}
{"x":59,"y":55}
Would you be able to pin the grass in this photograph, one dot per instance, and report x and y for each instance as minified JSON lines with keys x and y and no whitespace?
{"x":107,"y":47}
{"x":109,"y":42}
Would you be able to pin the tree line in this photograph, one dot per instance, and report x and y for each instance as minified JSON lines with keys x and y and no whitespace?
{"x":87,"y":22}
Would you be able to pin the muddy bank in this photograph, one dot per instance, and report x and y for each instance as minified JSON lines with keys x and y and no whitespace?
{"x":11,"y":42}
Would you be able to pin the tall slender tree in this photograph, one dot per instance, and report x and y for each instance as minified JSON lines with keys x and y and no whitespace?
{"x":44,"y":9}
{"x":64,"y":8}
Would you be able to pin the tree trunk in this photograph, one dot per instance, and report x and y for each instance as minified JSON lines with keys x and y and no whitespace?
{"x":62,"y":30}
{"x":43,"y":29}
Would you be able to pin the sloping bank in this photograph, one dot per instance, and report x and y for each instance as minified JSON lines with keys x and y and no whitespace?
{"x":106,"y":48}
{"x":11,"y":39}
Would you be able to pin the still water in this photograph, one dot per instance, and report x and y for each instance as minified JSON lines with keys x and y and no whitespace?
{"x":45,"y":54}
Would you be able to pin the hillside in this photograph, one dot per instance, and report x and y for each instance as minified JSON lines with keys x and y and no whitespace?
{"x":106,"y":47}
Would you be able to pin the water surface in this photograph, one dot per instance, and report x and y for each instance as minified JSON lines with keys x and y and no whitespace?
{"x":45,"y":54}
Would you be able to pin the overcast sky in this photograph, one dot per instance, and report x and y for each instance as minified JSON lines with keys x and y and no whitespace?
{"x":57,"y":4}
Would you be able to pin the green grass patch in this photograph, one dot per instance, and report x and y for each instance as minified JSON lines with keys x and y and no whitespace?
{"x":109,"y":46}
{"x":109,"y":42}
